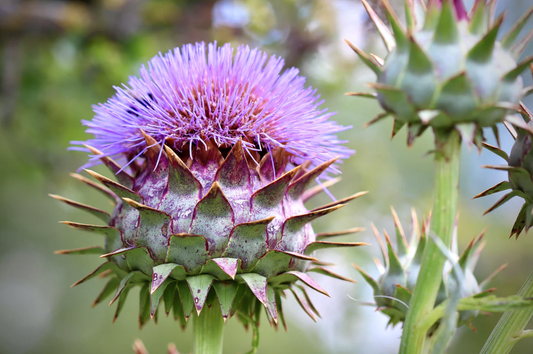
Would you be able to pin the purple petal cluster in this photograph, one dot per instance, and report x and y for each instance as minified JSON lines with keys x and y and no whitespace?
{"x":205,"y":92}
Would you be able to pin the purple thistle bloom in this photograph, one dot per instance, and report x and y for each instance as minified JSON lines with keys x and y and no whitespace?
{"x":204,"y":206}
{"x":194,"y":94}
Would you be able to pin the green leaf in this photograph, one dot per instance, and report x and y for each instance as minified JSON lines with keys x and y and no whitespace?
{"x":200,"y":285}
{"x":509,"y":38}
{"x":144,"y":305}
{"x":493,"y":303}
{"x":248,"y":242}
{"x":168,"y":297}
{"x":108,"y":289}
{"x":153,"y":230}
{"x":213,"y":217}
{"x":226,"y":292}
{"x":155,"y":297}
{"x":482,"y":51}
{"x":187,"y":301}
{"x":383,"y":30}
{"x":188,"y":250}
{"x":446,"y":30}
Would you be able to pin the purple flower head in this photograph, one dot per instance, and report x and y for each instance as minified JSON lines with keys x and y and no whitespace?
{"x":199,"y":93}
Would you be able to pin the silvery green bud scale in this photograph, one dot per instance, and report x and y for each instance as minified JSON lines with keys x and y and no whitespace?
{"x":520,"y":173}
{"x":219,"y":149}
{"x":398,"y":275}
{"x":447,"y":70}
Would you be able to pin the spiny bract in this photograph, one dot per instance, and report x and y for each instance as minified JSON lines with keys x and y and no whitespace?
{"x":211,"y":204}
{"x":520,"y":173}
{"x":393,"y":289}
{"x":448,"y":70}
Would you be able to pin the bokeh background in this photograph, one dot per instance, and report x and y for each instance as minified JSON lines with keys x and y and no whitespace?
{"x":59,"y":57}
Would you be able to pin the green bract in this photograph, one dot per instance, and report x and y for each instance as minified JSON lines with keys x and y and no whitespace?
{"x":216,"y":228}
{"x":520,"y":173}
{"x":447,"y":70}
{"x":396,"y":282}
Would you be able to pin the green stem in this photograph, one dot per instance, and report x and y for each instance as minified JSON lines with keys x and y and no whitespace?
{"x":511,"y":325}
{"x":208,"y":331}
{"x":447,"y":163}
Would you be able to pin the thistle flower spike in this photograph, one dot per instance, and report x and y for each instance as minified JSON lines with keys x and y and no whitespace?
{"x":447,"y":70}
{"x":218,"y":150}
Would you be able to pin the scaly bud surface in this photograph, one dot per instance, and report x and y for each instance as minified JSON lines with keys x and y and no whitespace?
{"x":520,"y":173}
{"x":447,"y":70}
{"x":394,"y":287}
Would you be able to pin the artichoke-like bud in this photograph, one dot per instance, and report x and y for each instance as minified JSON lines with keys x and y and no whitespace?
{"x":447,"y":70}
{"x":520,"y":173}
{"x":209,"y":210}
{"x":396,"y":282}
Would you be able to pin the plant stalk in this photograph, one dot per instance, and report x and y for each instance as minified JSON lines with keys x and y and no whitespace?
{"x":208,"y":330}
{"x":511,"y":326}
{"x":447,"y":164}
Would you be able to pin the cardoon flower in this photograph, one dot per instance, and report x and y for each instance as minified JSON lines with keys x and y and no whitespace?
{"x":520,"y":174}
{"x":220,"y":148}
{"x":448,"y":70}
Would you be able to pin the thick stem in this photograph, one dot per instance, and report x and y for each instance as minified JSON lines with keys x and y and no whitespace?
{"x":511,"y":325}
{"x":447,"y":163}
{"x":208,"y":331}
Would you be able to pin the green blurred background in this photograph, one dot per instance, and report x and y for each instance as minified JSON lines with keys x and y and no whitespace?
{"x":59,"y":57}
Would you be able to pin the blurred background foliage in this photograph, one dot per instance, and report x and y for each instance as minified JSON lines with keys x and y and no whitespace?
{"x":59,"y":57}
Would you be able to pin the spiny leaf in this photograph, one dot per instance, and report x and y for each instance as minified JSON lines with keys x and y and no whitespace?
{"x":254,"y":236}
{"x":200,"y":285}
{"x":84,"y":250}
{"x":509,"y":38}
{"x":188,"y":250}
{"x":257,"y":284}
{"x":485,"y":283}
{"x":102,"y":268}
{"x":373,"y":283}
{"x":362,"y":94}
{"x":123,"y":283}
{"x":478,"y":19}
{"x":102,"y":215}
{"x":104,"y":190}
{"x":213,"y":216}
{"x":446,"y":31}
{"x":341,"y":201}
{"x":383,"y":30}
{"x":118,"y":189}
{"x":401,"y":241}
{"x":121,"y":175}
{"x":377,"y":119}
{"x":329,"y":273}
{"x":368,"y":60}
{"x":298,"y":187}
{"x":313,"y":246}
{"x":226,"y":292}
{"x":322,"y":187}
{"x":521,"y":45}
{"x":513,"y":74}
{"x":502,"y":200}
{"x":323,"y":235}
{"x":108,"y":289}
{"x":153,"y":229}
{"x":496,"y":151}
{"x":482,"y":51}
{"x":303,"y":304}
{"x":398,"y":31}
{"x":500,"y":187}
